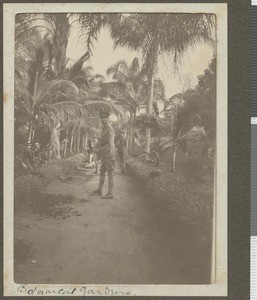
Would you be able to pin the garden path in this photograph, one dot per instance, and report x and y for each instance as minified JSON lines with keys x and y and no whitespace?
{"x":128,"y":239}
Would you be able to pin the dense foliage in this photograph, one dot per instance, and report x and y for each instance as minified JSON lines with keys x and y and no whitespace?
{"x":57,"y":103}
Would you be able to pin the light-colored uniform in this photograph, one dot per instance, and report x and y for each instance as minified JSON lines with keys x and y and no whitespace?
{"x":106,"y":149}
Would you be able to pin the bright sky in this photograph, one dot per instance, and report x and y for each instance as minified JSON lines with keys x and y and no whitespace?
{"x":104,"y":55}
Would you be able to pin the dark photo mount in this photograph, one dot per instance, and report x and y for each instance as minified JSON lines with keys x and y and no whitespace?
{"x":238,"y":150}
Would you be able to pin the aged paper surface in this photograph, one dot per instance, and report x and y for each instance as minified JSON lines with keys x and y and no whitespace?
{"x":218,"y":285}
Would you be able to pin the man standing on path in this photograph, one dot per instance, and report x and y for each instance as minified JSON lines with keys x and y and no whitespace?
{"x":106,"y":152}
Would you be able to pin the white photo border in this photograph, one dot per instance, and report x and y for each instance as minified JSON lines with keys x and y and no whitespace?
{"x":218,"y":287}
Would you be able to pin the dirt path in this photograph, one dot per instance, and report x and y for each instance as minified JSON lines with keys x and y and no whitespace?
{"x":128,"y":239}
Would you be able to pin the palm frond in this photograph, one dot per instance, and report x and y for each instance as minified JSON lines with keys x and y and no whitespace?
{"x":175,"y":33}
{"x":134,"y":68}
{"x":68,"y":110}
{"x":119,"y":71}
{"x":54,"y":89}
{"x":195,"y":134}
{"x":36,"y":70}
{"x":77,"y":66}
{"x":24,"y":109}
{"x":131,"y":31}
{"x":94,"y":107}
{"x":90,"y":25}
{"x":130,"y":90}
{"x":45,"y":120}
{"x":81,"y":82}
{"x":167,"y":145}
{"x":83,"y":122}
{"x":185,"y":30}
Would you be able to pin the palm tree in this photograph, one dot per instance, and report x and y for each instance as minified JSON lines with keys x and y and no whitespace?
{"x":126,"y":90}
{"x":155,"y":34}
{"x":42,"y":102}
{"x":182,"y":126}
{"x":81,"y":127}
{"x":55,"y":29}
{"x":129,"y":90}
{"x":90,"y":26}
{"x":64,"y":90}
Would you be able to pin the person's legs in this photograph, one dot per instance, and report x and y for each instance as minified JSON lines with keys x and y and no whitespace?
{"x":101,"y":180}
{"x":110,"y":169}
{"x":110,"y":182}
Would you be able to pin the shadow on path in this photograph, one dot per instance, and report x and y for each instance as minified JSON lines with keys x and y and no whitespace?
{"x":126,"y":240}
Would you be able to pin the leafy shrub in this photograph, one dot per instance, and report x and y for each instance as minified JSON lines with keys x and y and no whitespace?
{"x":190,"y":201}
{"x":68,"y":166}
{"x":56,"y":169}
{"x":52,"y":170}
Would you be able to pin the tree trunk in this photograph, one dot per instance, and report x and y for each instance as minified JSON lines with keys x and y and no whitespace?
{"x":65,"y":144}
{"x":71,"y":145}
{"x":131,"y":132}
{"x":75,"y":145}
{"x":151,"y":68}
{"x":149,"y":112}
{"x":78,"y":143}
{"x":83,"y":142}
{"x":55,"y":144}
{"x":174,"y":121}
{"x":30,"y":133}
{"x":174,"y":160}
{"x":127,"y":140}
{"x":30,"y":137}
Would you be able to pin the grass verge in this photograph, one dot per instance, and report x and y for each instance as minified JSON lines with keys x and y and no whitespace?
{"x":190,"y":201}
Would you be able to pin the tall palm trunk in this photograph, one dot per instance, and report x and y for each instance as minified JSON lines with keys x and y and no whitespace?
{"x":30,"y":133}
{"x":78,"y":143}
{"x":83,"y":141}
{"x":65,"y":144}
{"x":75,"y":144}
{"x":173,"y":134}
{"x":71,"y":144}
{"x":127,"y":140}
{"x":30,"y":137}
{"x":153,"y":55}
{"x":131,"y":131}
{"x":55,"y":143}
{"x":174,"y":159}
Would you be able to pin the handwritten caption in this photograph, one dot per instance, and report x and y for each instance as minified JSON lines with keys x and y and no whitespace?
{"x":75,"y":291}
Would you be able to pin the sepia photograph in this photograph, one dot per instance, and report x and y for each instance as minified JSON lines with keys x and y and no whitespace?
{"x":115,"y":149}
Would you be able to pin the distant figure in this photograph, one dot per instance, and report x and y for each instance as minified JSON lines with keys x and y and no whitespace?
{"x":93,"y":158}
{"x":106,"y":152}
{"x":90,"y":150}
{"x":35,"y":150}
{"x":120,"y":144}
{"x":136,"y":139}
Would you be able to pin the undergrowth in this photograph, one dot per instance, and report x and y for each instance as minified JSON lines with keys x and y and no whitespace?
{"x":190,"y":201}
